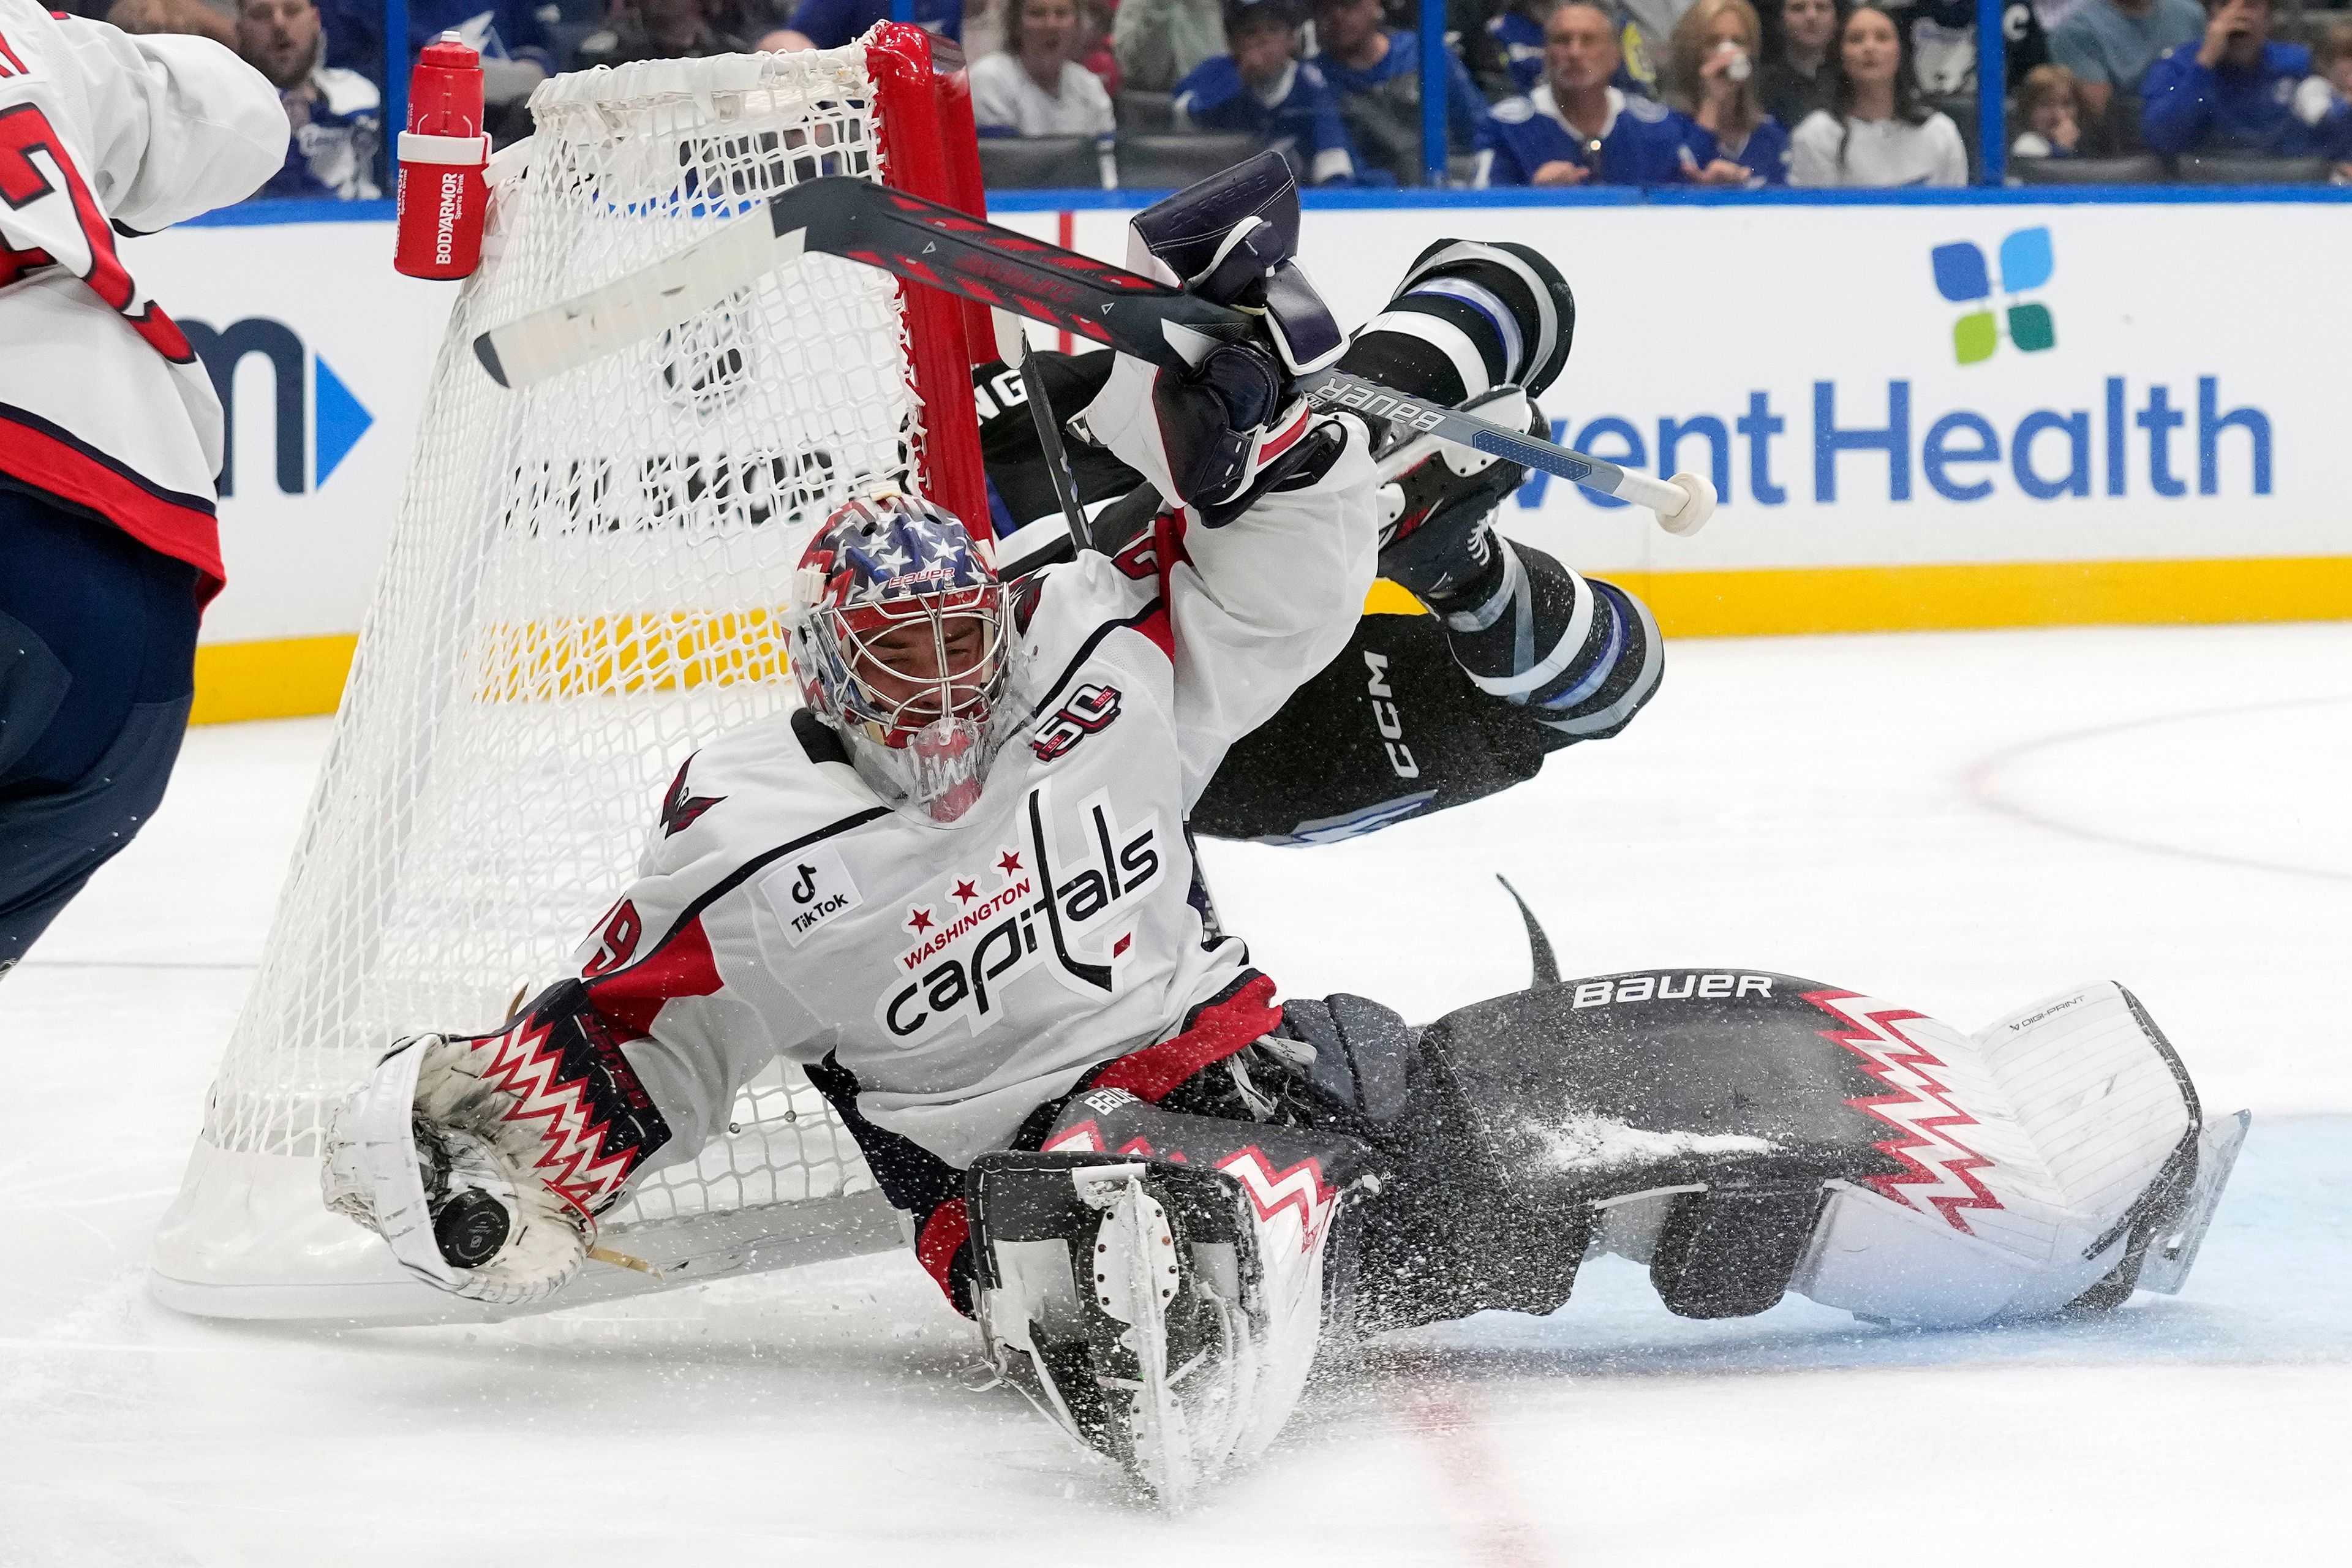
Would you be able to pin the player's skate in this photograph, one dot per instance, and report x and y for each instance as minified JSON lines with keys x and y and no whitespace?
{"x":483,"y":1161}
{"x":1437,"y":500}
{"x":1166,"y":1314}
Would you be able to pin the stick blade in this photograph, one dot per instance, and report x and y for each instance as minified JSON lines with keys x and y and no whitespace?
{"x":628,"y":311}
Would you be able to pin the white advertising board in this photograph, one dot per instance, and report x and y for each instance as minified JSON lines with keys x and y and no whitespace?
{"x":326,"y":351}
{"x":1868,"y":385}
{"x":2138,"y":382}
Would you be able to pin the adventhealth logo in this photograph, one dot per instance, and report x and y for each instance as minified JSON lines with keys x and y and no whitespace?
{"x":318,"y":420}
{"x":1961,"y":277}
{"x":2064,"y":433}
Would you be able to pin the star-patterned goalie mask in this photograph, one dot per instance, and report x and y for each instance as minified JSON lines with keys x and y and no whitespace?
{"x":899,"y":641}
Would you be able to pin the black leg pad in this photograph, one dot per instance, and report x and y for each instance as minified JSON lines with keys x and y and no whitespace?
{"x":1729,"y":1252}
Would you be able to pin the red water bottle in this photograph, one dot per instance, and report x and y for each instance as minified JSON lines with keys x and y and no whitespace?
{"x":441,"y":197}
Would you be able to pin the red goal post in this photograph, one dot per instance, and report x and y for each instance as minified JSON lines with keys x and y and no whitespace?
{"x":930,"y":148}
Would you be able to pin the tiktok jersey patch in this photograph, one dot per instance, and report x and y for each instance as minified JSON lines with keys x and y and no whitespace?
{"x":806,"y":891}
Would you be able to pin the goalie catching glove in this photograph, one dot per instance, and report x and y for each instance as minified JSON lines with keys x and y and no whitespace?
{"x":483,"y":1161}
{"x":1215,"y":436}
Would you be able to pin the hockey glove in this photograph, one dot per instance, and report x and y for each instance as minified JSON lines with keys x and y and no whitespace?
{"x":1206,"y":436}
{"x":483,"y":1162}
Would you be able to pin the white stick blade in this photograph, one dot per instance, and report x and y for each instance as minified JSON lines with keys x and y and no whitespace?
{"x":630,"y":309}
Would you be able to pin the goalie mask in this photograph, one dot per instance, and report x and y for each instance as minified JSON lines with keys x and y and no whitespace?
{"x":900,"y":643}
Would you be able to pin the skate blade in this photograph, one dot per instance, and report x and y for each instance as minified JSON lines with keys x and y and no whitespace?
{"x":2165,"y":1267}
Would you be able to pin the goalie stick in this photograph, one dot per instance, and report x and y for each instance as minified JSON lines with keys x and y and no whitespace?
{"x":927,"y":243}
{"x":1049,"y":442}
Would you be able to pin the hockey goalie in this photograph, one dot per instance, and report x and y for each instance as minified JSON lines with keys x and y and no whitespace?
{"x":956,"y":886}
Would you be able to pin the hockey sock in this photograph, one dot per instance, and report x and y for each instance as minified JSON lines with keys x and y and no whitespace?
{"x":1582,"y":652}
{"x":1469,"y":317}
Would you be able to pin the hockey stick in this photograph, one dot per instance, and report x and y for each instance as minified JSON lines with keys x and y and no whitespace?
{"x":1049,"y":442}
{"x":927,"y":243}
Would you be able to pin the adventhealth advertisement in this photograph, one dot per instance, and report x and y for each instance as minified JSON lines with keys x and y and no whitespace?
{"x":1931,"y":385}
{"x":321,"y":353}
{"x":1866,"y":386}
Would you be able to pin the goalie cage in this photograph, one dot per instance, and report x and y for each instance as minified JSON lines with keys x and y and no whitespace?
{"x":584,"y":585}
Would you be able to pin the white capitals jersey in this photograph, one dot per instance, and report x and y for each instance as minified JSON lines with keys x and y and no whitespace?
{"x":966,"y":973}
{"x":103,"y":404}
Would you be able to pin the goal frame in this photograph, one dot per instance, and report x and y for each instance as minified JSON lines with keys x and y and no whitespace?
{"x":249,"y":1236}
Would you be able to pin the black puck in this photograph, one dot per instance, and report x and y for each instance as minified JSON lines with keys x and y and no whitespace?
{"x":470,"y":1228}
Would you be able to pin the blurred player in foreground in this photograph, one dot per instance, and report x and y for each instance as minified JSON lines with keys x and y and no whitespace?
{"x":109,"y":431}
{"x":956,"y":887}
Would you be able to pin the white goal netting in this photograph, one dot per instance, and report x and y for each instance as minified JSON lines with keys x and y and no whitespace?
{"x":584,"y":583}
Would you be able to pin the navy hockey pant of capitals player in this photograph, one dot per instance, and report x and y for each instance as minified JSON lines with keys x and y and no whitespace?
{"x":97,"y":640}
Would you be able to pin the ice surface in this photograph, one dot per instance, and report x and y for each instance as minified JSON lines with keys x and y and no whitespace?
{"x":1959,"y":823}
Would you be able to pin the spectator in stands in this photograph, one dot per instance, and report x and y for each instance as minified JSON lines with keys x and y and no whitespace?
{"x":2324,"y":102}
{"x":1645,"y":28}
{"x":830,"y":24}
{"x":190,"y":16}
{"x":1376,"y":71}
{"x":1519,"y":35}
{"x":1161,"y":42}
{"x":2108,"y":45}
{"x":1576,"y":129}
{"x":1467,"y":36}
{"x":1941,"y":38}
{"x":1800,"y":73}
{"x":1712,"y":69}
{"x":336,"y":116}
{"x":1093,"y":51}
{"x":656,"y":30}
{"x":1034,"y":87}
{"x":2231,"y":91}
{"x":1876,"y":132}
{"x":2050,"y":109}
{"x":508,"y":35}
{"x":1261,"y":90}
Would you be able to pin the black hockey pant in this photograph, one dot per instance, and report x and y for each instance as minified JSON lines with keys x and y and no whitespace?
{"x":98,"y":637}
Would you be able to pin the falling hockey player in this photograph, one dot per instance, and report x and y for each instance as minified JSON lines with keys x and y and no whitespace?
{"x":955,"y":888}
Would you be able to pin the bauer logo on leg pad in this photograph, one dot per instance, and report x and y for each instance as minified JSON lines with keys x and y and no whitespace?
{"x":808,"y":889}
{"x":1675,"y":985}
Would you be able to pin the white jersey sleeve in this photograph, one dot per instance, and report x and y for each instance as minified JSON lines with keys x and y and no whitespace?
{"x":103,"y":404}
{"x":98,"y":126}
{"x":1260,"y":604}
{"x":695,"y":939}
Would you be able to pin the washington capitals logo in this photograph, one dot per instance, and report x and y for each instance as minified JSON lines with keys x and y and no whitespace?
{"x":681,"y":810}
{"x":1940,"y":1174}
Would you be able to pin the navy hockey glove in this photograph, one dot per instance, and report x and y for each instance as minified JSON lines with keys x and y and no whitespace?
{"x":1208,"y":436}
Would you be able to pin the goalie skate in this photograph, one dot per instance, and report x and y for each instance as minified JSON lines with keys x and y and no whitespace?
{"x":1130,"y":1303}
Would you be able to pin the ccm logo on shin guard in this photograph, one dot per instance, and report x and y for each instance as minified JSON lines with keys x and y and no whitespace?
{"x":1680,"y":986}
{"x":1386,"y":718}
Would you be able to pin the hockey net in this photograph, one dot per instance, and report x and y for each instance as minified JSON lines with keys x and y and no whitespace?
{"x":584,"y":583}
